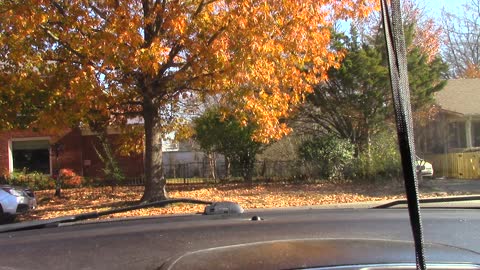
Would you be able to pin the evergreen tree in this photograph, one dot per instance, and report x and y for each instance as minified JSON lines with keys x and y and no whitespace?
{"x":355,"y":102}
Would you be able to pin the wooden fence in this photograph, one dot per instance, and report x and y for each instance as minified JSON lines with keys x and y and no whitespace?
{"x":456,"y":165}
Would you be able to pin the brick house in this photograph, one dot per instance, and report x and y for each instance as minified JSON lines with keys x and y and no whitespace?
{"x":26,"y":150}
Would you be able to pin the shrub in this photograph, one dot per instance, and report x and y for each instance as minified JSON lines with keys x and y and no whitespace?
{"x":35,"y":180}
{"x":70,"y":179}
{"x":328,"y":156}
{"x":383,"y":162}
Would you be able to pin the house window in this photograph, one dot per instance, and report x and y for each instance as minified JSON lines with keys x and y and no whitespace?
{"x":476,"y":134}
{"x":31,"y":156}
{"x":456,"y":135}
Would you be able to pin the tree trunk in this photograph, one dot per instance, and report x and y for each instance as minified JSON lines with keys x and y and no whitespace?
{"x":247,"y":168}
{"x":58,"y":192}
{"x":369,"y":155}
{"x":154,"y":179}
{"x":58,"y":183}
{"x":227,"y":167}
{"x":212,"y":162}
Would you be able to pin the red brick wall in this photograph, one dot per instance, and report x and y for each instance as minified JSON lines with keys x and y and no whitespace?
{"x":70,"y":154}
{"x":5,"y":137}
{"x":131,"y":166}
{"x":95,"y":167}
{"x":74,"y":150}
{"x":70,"y":157}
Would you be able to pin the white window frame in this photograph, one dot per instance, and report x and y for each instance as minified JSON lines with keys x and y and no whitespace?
{"x":472,"y":133}
{"x":10,"y":153}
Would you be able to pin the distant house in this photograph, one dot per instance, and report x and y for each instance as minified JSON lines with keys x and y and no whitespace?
{"x":456,"y":127}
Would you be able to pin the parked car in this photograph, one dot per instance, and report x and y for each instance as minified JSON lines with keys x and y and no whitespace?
{"x":426,"y":168}
{"x":15,"y":200}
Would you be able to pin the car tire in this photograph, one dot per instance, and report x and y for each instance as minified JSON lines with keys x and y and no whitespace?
{"x":5,"y":218}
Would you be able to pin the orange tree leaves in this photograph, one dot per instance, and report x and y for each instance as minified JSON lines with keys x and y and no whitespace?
{"x":471,"y":71}
{"x":89,"y":57}
{"x":116,"y":60}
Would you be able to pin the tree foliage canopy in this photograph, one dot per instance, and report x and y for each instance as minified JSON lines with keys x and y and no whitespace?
{"x":65,"y":62}
{"x":108,"y":56}
{"x":227,"y":136}
{"x":355,"y":102}
{"x":462,"y":46}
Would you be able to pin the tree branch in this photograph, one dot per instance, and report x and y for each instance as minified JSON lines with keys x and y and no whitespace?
{"x":97,"y":11}
{"x":65,"y":44}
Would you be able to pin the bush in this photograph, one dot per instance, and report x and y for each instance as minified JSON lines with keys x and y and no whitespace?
{"x":70,"y":179}
{"x":328,"y":156}
{"x":35,"y":180}
{"x":384,"y":159}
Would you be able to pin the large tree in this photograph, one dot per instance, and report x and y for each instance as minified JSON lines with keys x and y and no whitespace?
{"x":351,"y":104}
{"x":462,"y":40}
{"x":65,"y":62}
{"x":355,"y":102}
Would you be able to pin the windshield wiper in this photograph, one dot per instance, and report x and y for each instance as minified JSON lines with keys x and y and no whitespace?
{"x":432,"y":200}
{"x":54,"y":222}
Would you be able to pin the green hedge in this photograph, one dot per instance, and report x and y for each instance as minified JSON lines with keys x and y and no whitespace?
{"x":36,"y":181}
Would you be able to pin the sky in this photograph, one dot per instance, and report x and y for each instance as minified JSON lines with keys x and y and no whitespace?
{"x":435,"y":6}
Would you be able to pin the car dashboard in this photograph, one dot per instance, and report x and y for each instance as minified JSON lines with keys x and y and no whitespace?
{"x":343,"y":239}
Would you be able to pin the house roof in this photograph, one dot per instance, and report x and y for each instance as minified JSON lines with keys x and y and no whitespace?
{"x":460,"y":96}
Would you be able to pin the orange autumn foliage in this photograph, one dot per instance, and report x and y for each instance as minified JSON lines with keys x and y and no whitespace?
{"x":102,"y":58}
{"x":69,"y":62}
{"x":472,"y":71}
{"x":70,"y":178}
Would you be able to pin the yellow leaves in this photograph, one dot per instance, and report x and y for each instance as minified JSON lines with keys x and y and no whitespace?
{"x":275,"y":47}
{"x":179,"y":24}
{"x":43,"y":18}
{"x":471,"y":71}
{"x":242,"y":23}
{"x":184,"y":132}
{"x":225,"y":47}
{"x":150,"y":59}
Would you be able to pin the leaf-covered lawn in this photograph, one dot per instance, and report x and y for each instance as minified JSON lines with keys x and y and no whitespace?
{"x":80,"y":200}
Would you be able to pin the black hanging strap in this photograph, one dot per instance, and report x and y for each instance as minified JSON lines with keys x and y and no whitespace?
{"x":397,"y":59}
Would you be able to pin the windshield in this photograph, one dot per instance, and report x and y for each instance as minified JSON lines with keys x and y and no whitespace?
{"x":269,"y":104}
